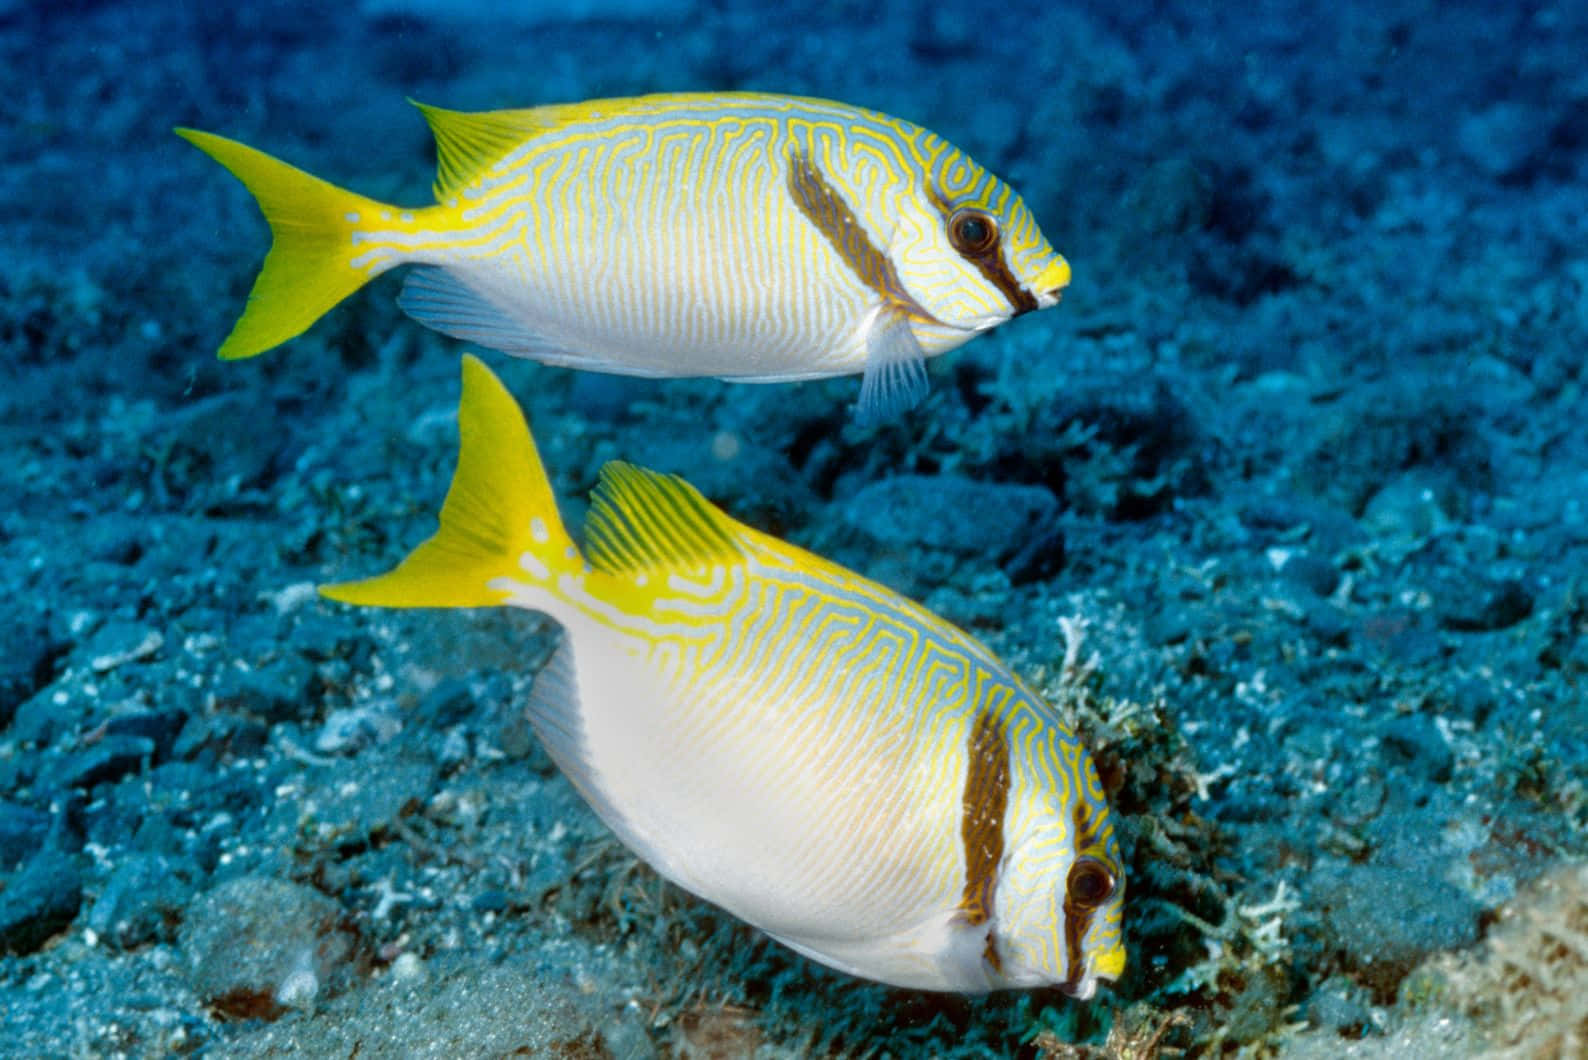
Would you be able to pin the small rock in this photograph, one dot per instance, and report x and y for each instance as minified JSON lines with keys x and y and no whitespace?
{"x":41,"y":900}
{"x":320,"y":639}
{"x":257,"y":945}
{"x":1328,"y":622}
{"x":118,"y":643}
{"x":161,"y":727}
{"x":1385,"y":921}
{"x":1305,"y":570}
{"x":143,"y":900}
{"x":359,"y":798}
{"x":25,"y":666}
{"x":22,"y":832}
{"x":950,"y":512}
{"x":278,"y":691}
{"x":493,"y":900}
{"x":1405,"y":509}
{"x":447,"y":704}
{"x":1503,"y":138}
{"x":220,"y":735}
{"x":624,"y":1034}
{"x":1413,"y":744}
{"x":107,"y":761}
{"x":1477,"y":604}
{"x":1342,"y":1006}
{"x":351,"y":730}
{"x":40,"y":720}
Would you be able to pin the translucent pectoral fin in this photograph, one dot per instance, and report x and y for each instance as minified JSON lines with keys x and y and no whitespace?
{"x":895,"y":372}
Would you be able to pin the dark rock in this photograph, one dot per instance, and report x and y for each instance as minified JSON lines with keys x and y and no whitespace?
{"x":255,"y":946}
{"x":106,"y":761}
{"x":447,"y":704}
{"x":1042,"y":556}
{"x":275,"y":692}
{"x":1309,"y":571}
{"x":1473,"y":700}
{"x":25,"y":666}
{"x":143,"y":900}
{"x":1477,"y":604}
{"x":41,"y":900}
{"x":1385,"y":921}
{"x":1169,"y":624}
{"x":1329,"y":623}
{"x":950,"y":512}
{"x":40,"y":720}
{"x":1414,"y":745}
{"x":494,"y":900}
{"x":113,"y":812}
{"x":161,"y":727}
{"x":220,"y":736}
{"x":22,"y":832}
{"x":1329,"y":529}
{"x":321,"y":639}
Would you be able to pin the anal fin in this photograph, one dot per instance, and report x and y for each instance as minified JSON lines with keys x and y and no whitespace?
{"x":438,"y":299}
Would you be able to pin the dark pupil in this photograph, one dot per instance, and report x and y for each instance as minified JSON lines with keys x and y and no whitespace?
{"x":973,"y":231}
{"x":1089,"y":884}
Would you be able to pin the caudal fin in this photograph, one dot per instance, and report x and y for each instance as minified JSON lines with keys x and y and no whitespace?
{"x":500,"y":518}
{"x":310,"y":265}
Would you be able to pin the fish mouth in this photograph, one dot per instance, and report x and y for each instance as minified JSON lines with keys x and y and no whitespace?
{"x":1050,"y":282}
{"x":1081,"y":990}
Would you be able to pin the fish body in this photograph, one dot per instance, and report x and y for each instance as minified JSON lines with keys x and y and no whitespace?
{"x":805,"y":748}
{"x":745,"y":236}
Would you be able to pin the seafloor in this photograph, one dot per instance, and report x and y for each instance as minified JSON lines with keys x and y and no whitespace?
{"x":1311,"y":568}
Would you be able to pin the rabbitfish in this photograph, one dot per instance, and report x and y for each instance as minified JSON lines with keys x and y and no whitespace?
{"x":807,"y":749}
{"x":746,"y":236}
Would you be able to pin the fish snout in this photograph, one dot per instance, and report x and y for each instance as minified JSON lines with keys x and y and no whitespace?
{"x":1050,"y":282}
{"x":1108,"y":964}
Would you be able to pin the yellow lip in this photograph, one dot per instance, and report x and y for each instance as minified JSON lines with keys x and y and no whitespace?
{"x":1110,"y":963}
{"x":1053,"y":278}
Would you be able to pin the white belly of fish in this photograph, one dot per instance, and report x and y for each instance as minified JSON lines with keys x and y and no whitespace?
{"x":835,"y":836}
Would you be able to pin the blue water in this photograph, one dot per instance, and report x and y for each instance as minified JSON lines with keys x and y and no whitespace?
{"x":1308,"y":422}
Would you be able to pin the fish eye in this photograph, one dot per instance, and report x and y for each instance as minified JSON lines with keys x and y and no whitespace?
{"x":972,"y":232}
{"x":1090,"y":883}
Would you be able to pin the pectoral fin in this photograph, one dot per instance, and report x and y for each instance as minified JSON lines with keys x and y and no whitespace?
{"x":895,"y":374}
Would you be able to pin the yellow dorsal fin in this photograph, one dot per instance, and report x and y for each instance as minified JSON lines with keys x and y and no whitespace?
{"x":642,"y":520}
{"x":500,"y":509}
{"x":470,"y":142}
{"x":467,"y":143}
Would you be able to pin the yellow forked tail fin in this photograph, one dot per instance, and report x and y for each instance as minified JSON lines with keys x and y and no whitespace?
{"x":499,"y":519}
{"x":310,"y":265}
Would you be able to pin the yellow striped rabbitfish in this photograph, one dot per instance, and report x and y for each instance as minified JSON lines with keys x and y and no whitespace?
{"x":803,"y":747}
{"x":752,"y":237}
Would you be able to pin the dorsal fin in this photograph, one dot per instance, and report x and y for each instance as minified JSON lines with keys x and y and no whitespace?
{"x":468,"y":143}
{"x":641,"y":520}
